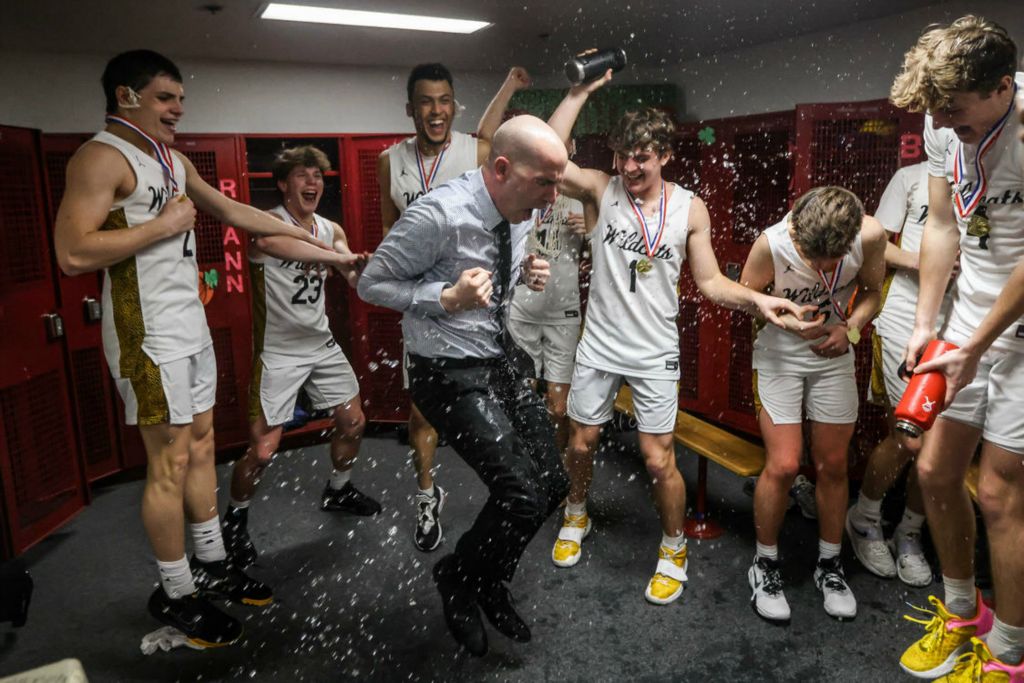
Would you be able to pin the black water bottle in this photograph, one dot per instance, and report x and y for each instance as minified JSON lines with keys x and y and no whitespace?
{"x":590,"y":66}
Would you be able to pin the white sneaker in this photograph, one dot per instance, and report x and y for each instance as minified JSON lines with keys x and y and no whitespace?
{"x":802,"y":493}
{"x":765,"y":579}
{"x":911,"y":565}
{"x":869,"y":545}
{"x":838,"y":598}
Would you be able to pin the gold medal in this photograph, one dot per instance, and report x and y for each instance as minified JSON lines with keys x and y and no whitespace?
{"x":978,"y":226}
{"x":853,"y":335}
{"x":643,"y":267}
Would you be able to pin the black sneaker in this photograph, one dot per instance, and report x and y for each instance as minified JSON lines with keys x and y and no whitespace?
{"x":349,"y":499}
{"x":222,"y":580}
{"x":240,"y":549}
{"x":428,"y":519}
{"x":196,"y":617}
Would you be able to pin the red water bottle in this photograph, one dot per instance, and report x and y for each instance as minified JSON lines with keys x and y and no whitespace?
{"x":923,"y":396}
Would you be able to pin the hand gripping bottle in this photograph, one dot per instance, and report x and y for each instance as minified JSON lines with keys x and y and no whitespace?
{"x":591,"y":65}
{"x":922,"y":399}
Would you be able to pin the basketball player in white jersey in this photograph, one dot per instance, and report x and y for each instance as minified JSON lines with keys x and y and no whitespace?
{"x":819,"y":254}
{"x":547,"y":324}
{"x":408,"y":170}
{"x":901,"y":211}
{"x":963,"y":75}
{"x":293,"y":348}
{"x":646,"y":228}
{"x":125,"y":210}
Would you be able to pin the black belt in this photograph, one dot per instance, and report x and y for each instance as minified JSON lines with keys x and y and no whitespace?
{"x":455,"y":363}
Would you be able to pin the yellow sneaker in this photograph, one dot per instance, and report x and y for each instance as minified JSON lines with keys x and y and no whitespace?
{"x":977,"y":665}
{"x":946,"y":637}
{"x":669,"y":576}
{"x":574,"y":529}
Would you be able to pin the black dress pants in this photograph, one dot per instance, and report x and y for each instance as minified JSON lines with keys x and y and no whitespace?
{"x":500,"y":427}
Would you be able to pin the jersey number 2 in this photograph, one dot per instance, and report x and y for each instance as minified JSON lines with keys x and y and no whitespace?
{"x":185,"y":251}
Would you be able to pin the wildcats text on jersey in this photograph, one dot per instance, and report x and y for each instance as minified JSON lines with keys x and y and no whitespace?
{"x":632,"y":241}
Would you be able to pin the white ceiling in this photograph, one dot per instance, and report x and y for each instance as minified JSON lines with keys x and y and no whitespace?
{"x":539,"y":35}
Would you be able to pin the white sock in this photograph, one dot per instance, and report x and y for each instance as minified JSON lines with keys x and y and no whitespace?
{"x":207,"y":541}
{"x":676,"y":543}
{"x":176,"y":578}
{"x":870,"y":510}
{"x":911,"y":522}
{"x":826,"y":550}
{"x":339,"y":478}
{"x":239,"y":504}
{"x":1005,"y":642}
{"x":575,"y":509}
{"x":961,"y":596}
{"x":768,"y":552}
{"x":429,"y":492}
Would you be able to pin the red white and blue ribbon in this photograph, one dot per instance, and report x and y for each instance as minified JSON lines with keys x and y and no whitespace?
{"x":831,"y":285}
{"x":651,"y":242}
{"x":427,"y":179}
{"x":163,"y":153}
{"x":543,"y":215}
{"x":298,"y":224}
{"x":965,"y":206}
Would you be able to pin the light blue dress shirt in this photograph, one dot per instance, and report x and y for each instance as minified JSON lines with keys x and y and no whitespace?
{"x":440,"y":235}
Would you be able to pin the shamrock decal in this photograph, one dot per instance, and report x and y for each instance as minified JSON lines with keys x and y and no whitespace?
{"x":707,"y":135}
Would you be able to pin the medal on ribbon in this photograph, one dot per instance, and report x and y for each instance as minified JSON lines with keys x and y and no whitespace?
{"x":164,"y":156}
{"x":427,"y":178}
{"x":831,"y":285}
{"x":978,"y":226}
{"x":651,"y":241}
{"x":967,"y":204}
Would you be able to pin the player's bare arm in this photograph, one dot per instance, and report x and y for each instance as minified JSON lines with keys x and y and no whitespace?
{"x":236,"y":214}
{"x":517,"y":79}
{"x":939,"y":244}
{"x":721,"y":290}
{"x":97,"y":176}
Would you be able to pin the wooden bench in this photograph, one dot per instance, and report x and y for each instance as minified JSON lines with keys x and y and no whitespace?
{"x":732,"y":452}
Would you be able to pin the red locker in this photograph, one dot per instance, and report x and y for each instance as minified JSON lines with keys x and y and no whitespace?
{"x":79,"y":299}
{"x":745,"y":172}
{"x":220,"y":251}
{"x":40,"y":475}
{"x":376,"y":332}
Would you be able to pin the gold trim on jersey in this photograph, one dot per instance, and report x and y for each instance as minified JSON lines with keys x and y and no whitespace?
{"x":135,"y":365}
{"x":878,"y":394}
{"x":258,"y":282}
{"x":757,"y":397}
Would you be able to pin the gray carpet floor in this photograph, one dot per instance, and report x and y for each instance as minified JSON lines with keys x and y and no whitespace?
{"x":354,"y":599}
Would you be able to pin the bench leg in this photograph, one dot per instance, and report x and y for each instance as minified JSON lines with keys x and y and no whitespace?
{"x":700,"y":526}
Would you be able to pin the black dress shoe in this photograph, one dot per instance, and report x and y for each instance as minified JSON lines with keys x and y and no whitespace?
{"x":498,"y":605}
{"x":460,"y":610}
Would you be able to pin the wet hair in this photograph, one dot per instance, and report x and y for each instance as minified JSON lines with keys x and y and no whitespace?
{"x":647,"y":129}
{"x":969,"y":55}
{"x":135,"y":69}
{"x":428,"y":72}
{"x":826,"y":221}
{"x":306,"y":156}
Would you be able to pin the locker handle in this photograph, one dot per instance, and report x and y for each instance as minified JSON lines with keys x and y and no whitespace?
{"x":92,"y":309}
{"x":54,"y":325}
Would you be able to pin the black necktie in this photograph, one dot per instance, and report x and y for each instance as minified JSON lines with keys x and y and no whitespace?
{"x":517,"y":358}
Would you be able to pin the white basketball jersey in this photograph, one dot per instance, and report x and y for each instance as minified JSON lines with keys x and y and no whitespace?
{"x":289,"y":319}
{"x":988,"y":256}
{"x":151,"y":299}
{"x":780,"y":351}
{"x":903,"y":209}
{"x":410,"y":179}
{"x":553,"y":240}
{"x":631,"y":314}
